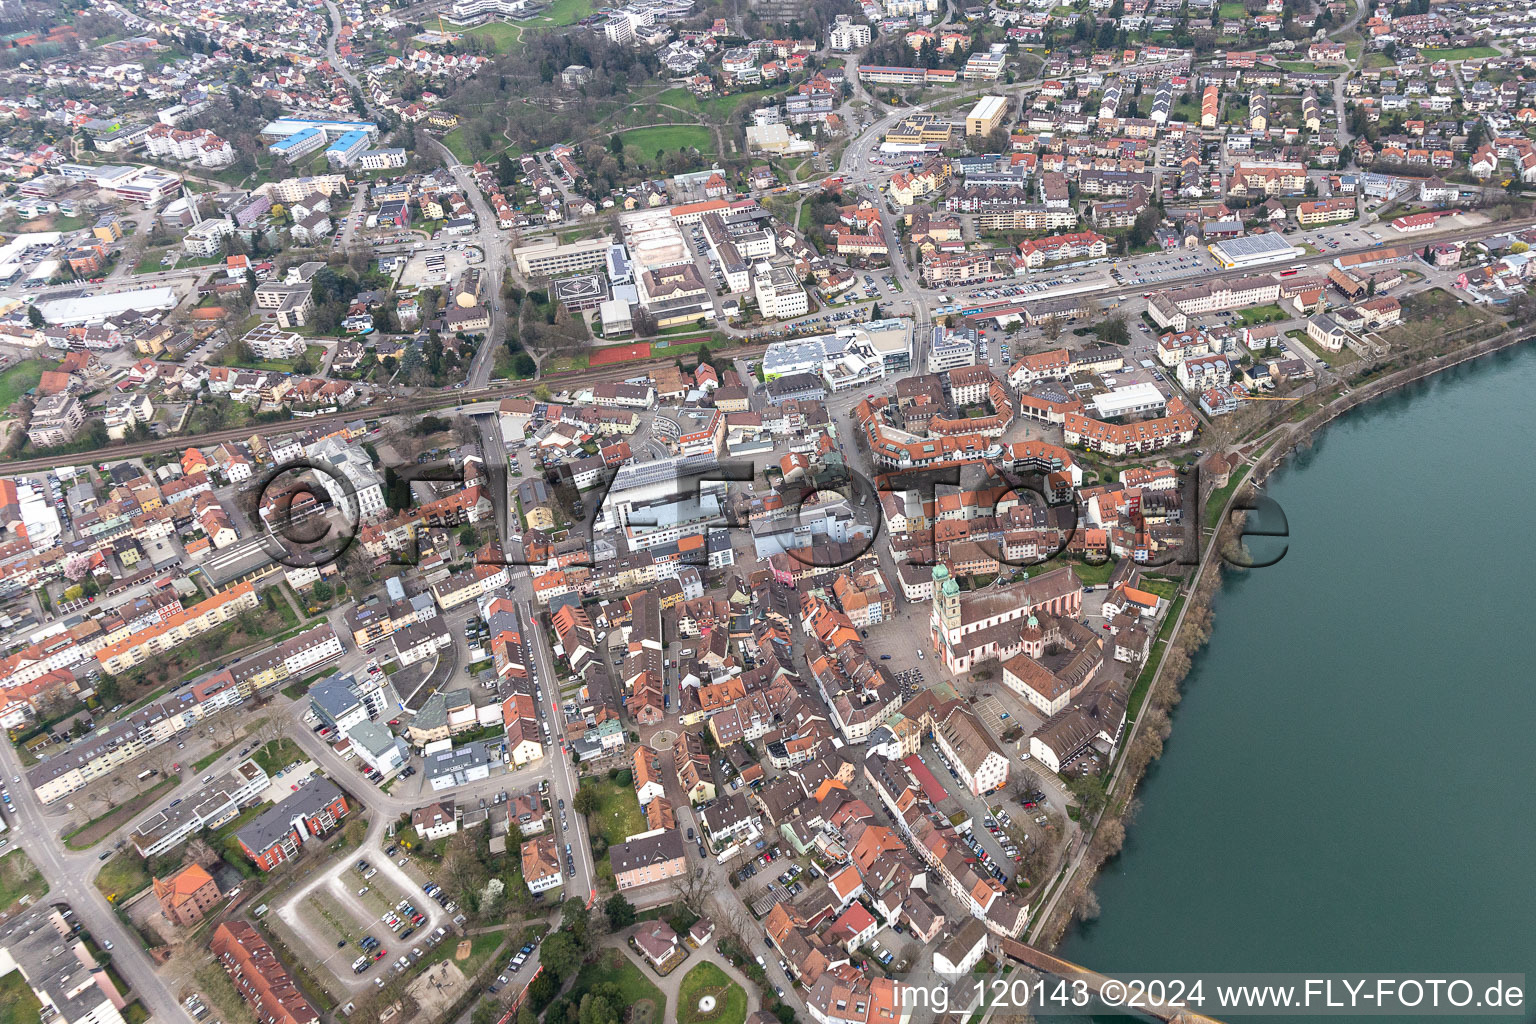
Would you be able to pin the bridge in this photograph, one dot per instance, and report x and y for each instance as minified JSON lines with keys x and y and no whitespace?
{"x":1045,"y":963}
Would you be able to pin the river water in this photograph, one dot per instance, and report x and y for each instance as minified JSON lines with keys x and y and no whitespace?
{"x":1350,"y":783}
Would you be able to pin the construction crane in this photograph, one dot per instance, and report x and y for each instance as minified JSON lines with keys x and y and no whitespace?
{"x":1244,"y":394}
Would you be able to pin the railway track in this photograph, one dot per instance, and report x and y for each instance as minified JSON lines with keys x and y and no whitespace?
{"x":618,"y":371}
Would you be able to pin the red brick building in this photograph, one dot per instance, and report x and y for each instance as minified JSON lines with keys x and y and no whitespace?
{"x":186,"y":897}
{"x":260,"y":978}
{"x":276,"y":836}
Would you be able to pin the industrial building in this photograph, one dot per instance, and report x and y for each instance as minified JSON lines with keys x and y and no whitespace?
{"x":1253,"y":250}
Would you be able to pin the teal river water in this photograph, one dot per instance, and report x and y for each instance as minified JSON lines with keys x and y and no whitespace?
{"x":1350,"y":783}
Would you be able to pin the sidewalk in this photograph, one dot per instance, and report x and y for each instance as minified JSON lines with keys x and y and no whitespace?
{"x":672,"y":984}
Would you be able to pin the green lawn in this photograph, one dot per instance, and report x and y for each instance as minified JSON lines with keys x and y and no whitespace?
{"x":1233,"y":9}
{"x":1343,"y":357}
{"x":122,"y":876}
{"x":1459,"y":53}
{"x":149,"y":261}
{"x":20,"y":379}
{"x":316,"y":354}
{"x":645,"y":1002}
{"x":19,"y":877}
{"x":458,"y":146}
{"x":503,"y":36}
{"x":17,"y":1003}
{"x":670,"y":137}
{"x":705,"y":979}
{"x":277,"y":755}
{"x":617,"y":814}
{"x":1094,"y":575}
{"x":1304,"y":67}
{"x":1379,"y":60}
{"x":719,"y":108}
{"x":1155,"y":658}
{"x":565,"y":12}
{"x":1261,"y":314}
{"x":1218,"y":498}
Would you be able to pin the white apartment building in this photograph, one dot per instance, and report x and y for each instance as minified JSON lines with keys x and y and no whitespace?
{"x":1200,"y":372}
{"x":381,"y":159}
{"x":356,"y":467}
{"x":206,"y":238}
{"x":846,"y":35}
{"x":779,"y":295}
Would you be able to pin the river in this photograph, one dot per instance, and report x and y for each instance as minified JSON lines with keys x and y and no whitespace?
{"x":1349,"y":784}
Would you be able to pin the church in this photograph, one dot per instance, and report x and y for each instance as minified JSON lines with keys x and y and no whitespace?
{"x":970,"y":627}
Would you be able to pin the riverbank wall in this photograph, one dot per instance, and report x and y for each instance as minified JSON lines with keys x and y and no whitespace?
{"x":1072,"y":892}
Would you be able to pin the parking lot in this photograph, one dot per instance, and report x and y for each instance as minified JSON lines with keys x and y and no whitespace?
{"x":435,"y":265}
{"x":365,"y":920}
{"x":1162,"y":268}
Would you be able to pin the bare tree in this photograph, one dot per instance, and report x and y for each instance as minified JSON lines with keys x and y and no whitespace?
{"x":462,"y":867}
{"x":1087,"y":904}
{"x":1025,"y":783}
{"x":270,"y":729}
{"x":694,"y":889}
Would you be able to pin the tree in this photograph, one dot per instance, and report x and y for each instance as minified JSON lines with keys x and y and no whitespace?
{"x":108,"y":691}
{"x":1113,"y":330}
{"x":560,"y":955}
{"x":1089,"y":793}
{"x":1024,"y":784}
{"x":600,"y":1008}
{"x":1051,"y":329}
{"x":76,"y":566}
{"x":621,"y":912}
{"x":575,"y":920}
{"x":35,"y":317}
{"x":1146,"y":223}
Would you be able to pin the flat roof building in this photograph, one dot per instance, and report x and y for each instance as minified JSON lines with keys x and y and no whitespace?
{"x":1253,"y":250}
{"x":551,"y":259}
{"x":986,"y":116}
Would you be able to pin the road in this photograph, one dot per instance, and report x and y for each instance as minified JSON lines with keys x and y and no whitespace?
{"x":564,"y":782}
{"x":69,"y":874}
{"x":488,"y":236}
{"x":335,"y":60}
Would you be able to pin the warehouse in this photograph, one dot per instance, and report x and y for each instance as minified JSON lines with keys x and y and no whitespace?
{"x":95,"y":309}
{"x":1253,"y":250}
